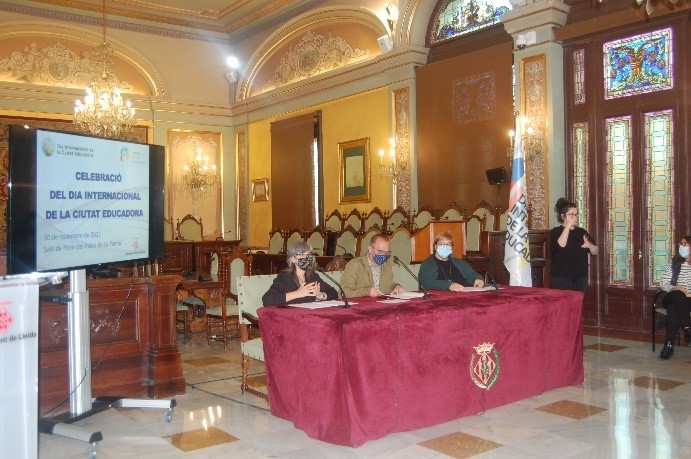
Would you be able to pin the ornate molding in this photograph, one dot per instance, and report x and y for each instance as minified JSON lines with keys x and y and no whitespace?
{"x":534,"y":106}
{"x":243,"y":195}
{"x":54,"y":65}
{"x":313,"y":55}
{"x":402,"y":132}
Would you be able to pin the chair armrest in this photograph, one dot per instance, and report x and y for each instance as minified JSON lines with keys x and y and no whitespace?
{"x":251,"y":318}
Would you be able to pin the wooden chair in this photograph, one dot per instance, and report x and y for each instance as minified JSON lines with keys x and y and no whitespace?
{"x":294,"y":236}
{"x":190,"y":229}
{"x":222,"y":321}
{"x":354,"y":220}
{"x":317,"y":240}
{"x":334,"y":222}
{"x":346,"y":243}
{"x":503,"y":220}
{"x":403,"y":277}
{"x":401,"y":245}
{"x":396,"y":219}
{"x":373,"y":220}
{"x":473,"y":227}
{"x":277,"y":241}
{"x":484,"y":210}
{"x":454,"y":212}
{"x":422,"y":218}
{"x":168,"y":231}
{"x":250,"y":291}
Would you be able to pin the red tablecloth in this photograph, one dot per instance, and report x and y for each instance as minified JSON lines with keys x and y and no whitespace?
{"x":346,"y":376}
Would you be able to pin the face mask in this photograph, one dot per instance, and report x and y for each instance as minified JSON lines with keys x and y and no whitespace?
{"x":444,"y":251}
{"x":684,"y":251}
{"x":305,"y":263}
{"x":380,"y":258}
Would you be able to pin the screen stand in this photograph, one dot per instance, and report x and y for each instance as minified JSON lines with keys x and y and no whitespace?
{"x":82,"y":405}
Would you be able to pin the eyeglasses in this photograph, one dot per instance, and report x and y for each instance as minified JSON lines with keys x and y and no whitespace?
{"x":383,"y":252}
{"x":444,"y":244}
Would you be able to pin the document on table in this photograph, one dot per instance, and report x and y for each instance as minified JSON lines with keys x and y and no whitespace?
{"x":319,"y":304}
{"x":407,"y":295}
{"x":487,"y":288}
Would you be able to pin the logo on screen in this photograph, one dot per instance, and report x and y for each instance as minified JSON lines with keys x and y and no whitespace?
{"x":484,"y":365}
{"x":135,"y":244}
{"x":124,"y":154}
{"x":6,"y":320}
{"x":47,"y":146}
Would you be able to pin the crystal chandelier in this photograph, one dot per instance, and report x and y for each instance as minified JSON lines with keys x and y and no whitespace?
{"x":104,"y":112}
{"x":199,"y":176}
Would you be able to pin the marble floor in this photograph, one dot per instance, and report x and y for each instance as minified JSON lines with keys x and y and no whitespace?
{"x":631,"y":405}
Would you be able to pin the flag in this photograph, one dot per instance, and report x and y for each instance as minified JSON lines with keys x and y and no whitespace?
{"x":516,"y":249}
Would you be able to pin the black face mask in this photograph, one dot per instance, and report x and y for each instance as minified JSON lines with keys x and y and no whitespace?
{"x":305,"y":263}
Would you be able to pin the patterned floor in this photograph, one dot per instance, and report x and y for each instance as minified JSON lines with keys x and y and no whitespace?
{"x":631,"y":405}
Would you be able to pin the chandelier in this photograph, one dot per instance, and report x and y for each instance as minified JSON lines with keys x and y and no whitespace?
{"x":104,"y":112}
{"x":531,"y":140}
{"x":199,"y":176}
{"x":390,"y":171}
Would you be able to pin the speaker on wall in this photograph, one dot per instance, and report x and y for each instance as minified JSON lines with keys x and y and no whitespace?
{"x":496,"y":176}
{"x":385,"y":43}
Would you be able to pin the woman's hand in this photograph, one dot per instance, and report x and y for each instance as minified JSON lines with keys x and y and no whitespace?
{"x":454,"y":287}
{"x":310,"y":289}
{"x":587,"y":244}
{"x":479,"y":283}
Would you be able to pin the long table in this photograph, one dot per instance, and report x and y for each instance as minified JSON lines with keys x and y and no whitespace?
{"x":347,"y":376}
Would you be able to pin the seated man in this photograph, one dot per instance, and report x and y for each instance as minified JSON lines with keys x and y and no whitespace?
{"x":371,"y":274}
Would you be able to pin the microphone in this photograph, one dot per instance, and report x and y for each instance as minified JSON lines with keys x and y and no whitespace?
{"x":422,"y":287}
{"x":491,"y":279}
{"x":345,"y":299}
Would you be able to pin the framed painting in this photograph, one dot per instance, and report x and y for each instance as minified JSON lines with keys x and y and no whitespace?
{"x":354,"y":171}
{"x":260,"y":189}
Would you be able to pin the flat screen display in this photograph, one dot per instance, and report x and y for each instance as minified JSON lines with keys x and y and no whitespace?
{"x":78,"y":200}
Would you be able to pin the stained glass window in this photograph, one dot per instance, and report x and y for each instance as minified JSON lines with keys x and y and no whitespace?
{"x":660,"y":167}
{"x":579,"y":143}
{"x":638,"y":64}
{"x":618,"y":161}
{"x":578,"y":76}
{"x":459,"y":17}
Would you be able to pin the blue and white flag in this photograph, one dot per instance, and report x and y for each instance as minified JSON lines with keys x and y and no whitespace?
{"x":517,"y":250}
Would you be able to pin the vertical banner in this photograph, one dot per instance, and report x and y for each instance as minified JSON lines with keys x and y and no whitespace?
{"x":517,"y":249}
{"x":19,"y":368}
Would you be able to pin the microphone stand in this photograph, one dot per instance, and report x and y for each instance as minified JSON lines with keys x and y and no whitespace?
{"x":345,"y":299}
{"x":399,"y":262}
{"x":494,"y":283}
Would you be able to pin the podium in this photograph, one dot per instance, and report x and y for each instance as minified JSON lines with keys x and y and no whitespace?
{"x":422,"y":240}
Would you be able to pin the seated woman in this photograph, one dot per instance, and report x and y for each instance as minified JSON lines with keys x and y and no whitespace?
{"x":441,"y":271}
{"x":298,"y":283}
{"x":676,"y":281}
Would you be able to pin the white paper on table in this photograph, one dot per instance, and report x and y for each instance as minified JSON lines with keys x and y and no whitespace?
{"x":407,"y":295}
{"x":487,"y":288}
{"x":319,"y":304}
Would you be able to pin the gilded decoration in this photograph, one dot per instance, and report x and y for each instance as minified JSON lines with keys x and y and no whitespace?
{"x":313,"y":55}
{"x":474,"y":98}
{"x":534,"y":106}
{"x":402,"y":132}
{"x":137,"y":134}
{"x":243,"y":196}
{"x":54,"y":65}
{"x":183,"y":146}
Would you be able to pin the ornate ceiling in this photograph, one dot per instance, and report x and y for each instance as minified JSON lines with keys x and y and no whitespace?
{"x":238,"y":18}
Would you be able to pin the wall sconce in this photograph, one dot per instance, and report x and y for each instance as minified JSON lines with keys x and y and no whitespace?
{"x":391,"y":16}
{"x":231,"y":77}
{"x":531,"y":140}
{"x":526,"y":39}
{"x":389,"y":171}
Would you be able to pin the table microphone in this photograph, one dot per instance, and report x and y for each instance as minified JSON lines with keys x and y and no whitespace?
{"x":345,"y":299}
{"x":399,"y":262}
{"x":491,"y":279}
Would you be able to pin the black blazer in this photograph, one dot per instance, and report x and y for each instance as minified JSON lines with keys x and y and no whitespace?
{"x":285,"y":283}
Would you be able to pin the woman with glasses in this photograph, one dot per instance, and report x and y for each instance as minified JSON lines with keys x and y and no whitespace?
{"x":441,"y":271}
{"x":571,"y":246}
{"x":676,"y":281}
{"x":299,"y":283}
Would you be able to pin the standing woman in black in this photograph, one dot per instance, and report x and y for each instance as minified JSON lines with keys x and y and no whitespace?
{"x":571,"y":246}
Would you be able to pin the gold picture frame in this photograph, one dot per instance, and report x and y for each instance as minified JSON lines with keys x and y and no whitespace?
{"x":354,"y":171}
{"x":260,"y":189}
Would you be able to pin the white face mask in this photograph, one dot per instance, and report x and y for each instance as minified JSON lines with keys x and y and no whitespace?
{"x":684,"y":251}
